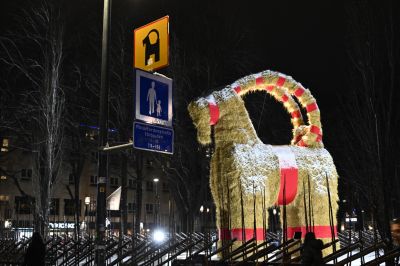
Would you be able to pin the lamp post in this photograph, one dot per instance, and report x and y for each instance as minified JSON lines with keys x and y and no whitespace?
{"x":155,"y":180}
{"x":201,"y":217}
{"x":206,"y":222}
{"x":87,"y":202}
{"x":362,"y":218}
{"x":103,"y":139}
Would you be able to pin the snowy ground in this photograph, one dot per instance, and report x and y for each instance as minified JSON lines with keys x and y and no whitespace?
{"x":357,"y":262}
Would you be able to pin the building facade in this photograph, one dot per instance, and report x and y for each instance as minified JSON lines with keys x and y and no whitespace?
{"x":18,"y":191}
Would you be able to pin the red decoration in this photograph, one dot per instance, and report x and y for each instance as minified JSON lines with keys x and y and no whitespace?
{"x":259,"y":81}
{"x":298,"y":92}
{"x":237,"y":89}
{"x":214,"y":113}
{"x":288,"y":185}
{"x":280,"y":82}
{"x":311,"y":107}
{"x":320,"y":231}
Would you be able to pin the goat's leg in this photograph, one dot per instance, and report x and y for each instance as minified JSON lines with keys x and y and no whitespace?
{"x":314,"y":217}
{"x":294,"y":224}
{"x":324,"y":220}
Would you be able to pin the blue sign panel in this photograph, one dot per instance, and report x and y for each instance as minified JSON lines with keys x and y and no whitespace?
{"x":153,"y":98}
{"x":153,"y":138}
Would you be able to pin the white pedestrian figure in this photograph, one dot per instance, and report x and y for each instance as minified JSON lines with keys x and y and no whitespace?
{"x":151,"y":97}
{"x":159,"y":109}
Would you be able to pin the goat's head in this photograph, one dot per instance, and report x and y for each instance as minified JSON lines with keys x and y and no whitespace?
{"x":207,"y":111}
{"x":200,"y":113}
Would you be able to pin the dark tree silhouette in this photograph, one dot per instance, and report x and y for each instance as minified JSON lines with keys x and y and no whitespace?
{"x":370,"y":119}
{"x":35,"y":54}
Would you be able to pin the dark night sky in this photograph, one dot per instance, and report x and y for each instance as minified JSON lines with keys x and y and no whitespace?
{"x":299,"y":38}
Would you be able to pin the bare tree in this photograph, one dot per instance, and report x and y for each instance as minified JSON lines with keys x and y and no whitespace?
{"x":35,"y":53}
{"x":371,"y":120}
{"x":121,"y":102}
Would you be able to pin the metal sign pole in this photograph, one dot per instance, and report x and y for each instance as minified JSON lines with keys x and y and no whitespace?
{"x":103,"y":139}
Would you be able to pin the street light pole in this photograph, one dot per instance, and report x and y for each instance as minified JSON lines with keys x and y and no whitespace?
{"x":155,"y":180}
{"x":87,"y":202}
{"x":103,"y":139}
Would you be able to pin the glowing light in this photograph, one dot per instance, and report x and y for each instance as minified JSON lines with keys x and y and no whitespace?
{"x":201,"y":208}
{"x":7,"y":224}
{"x":159,"y":236}
{"x":87,"y":200}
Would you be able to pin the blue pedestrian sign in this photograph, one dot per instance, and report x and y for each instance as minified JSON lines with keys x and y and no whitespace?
{"x":153,"y":138}
{"x":153,"y":98}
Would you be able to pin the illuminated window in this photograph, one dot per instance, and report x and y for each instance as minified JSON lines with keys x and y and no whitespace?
{"x":3,"y":177}
{"x":4,"y":146}
{"x":4,"y":198}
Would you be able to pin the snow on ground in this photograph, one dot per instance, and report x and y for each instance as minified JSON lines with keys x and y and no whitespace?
{"x":183,"y":256}
{"x":357,"y":262}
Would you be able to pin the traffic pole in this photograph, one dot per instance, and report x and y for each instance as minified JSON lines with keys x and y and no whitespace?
{"x":100,"y":245}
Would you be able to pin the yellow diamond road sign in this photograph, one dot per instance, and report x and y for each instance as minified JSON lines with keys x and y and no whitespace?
{"x":151,"y":45}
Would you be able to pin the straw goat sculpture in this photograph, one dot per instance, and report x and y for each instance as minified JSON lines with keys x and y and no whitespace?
{"x":248,"y":176}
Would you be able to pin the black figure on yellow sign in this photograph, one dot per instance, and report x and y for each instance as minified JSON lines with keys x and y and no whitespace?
{"x":151,"y":48}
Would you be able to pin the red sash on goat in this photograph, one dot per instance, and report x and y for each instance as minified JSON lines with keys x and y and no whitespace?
{"x":214,"y":109}
{"x":289,"y":174}
{"x":320,"y":231}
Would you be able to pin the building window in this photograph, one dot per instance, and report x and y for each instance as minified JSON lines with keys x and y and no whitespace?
{"x":131,"y":183}
{"x":69,"y":207}
{"x":90,"y":134}
{"x":93,"y":179}
{"x":26,"y":174}
{"x":4,"y":198}
{"x":3,"y":177}
{"x":165,"y":187}
{"x":149,"y":185}
{"x":114,"y":181}
{"x":22,"y":205}
{"x":4,"y":146}
{"x":131,"y":207}
{"x":71,"y":179}
{"x":149,"y":208}
{"x":54,"y":206}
